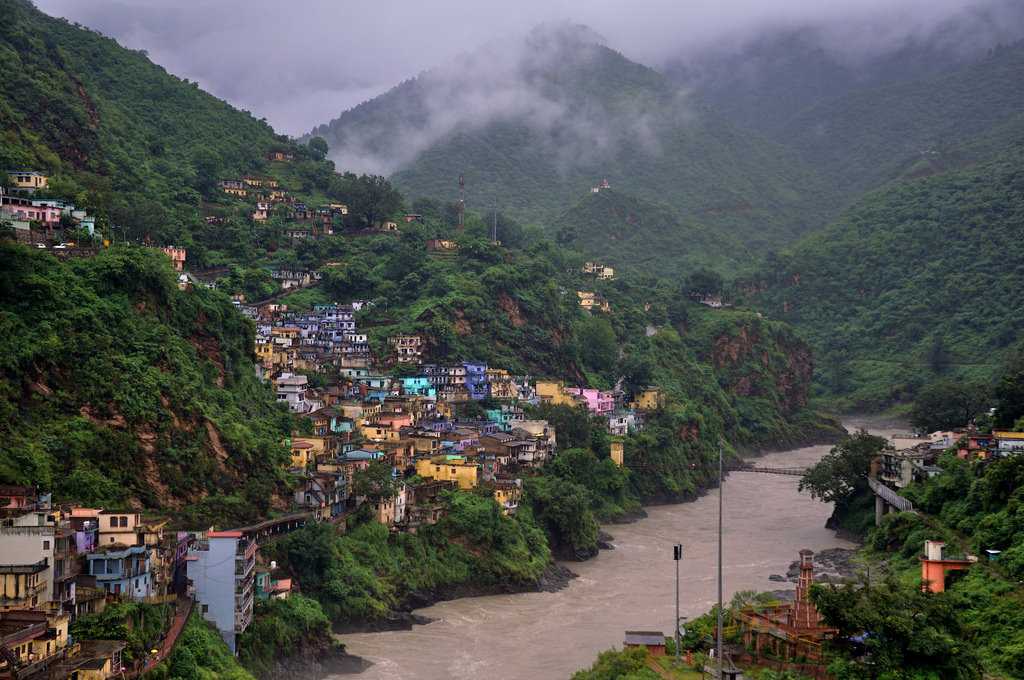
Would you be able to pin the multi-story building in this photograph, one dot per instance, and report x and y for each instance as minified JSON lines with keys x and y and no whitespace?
{"x":449,"y":468}
{"x":122,"y":570}
{"x":407,"y":349}
{"x":477,"y":386}
{"x":291,"y":389}
{"x":221,"y":569}
{"x":27,"y":546}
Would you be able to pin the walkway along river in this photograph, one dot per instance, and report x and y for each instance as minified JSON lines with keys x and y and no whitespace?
{"x":541,"y":636}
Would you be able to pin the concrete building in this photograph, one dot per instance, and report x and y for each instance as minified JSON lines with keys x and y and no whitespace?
{"x":122,"y":570}
{"x":27,"y":545}
{"x":291,"y":389}
{"x":937,"y":563}
{"x":221,"y":569}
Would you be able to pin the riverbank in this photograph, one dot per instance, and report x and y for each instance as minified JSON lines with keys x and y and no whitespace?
{"x":631,"y":587}
{"x":555,"y":577}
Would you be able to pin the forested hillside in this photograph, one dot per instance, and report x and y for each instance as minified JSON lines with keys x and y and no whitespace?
{"x":625,"y":231}
{"x":576,"y":113}
{"x":917,"y":280}
{"x":868,"y":137}
{"x":117,"y":389}
{"x":115,"y":128}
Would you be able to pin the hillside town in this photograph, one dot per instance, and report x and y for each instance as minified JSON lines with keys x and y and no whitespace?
{"x":434,"y":427}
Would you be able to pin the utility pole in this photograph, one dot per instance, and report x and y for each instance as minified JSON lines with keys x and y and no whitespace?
{"x":718,"y":647}
{"x":677,"y":555}
{"x":462,"y":201}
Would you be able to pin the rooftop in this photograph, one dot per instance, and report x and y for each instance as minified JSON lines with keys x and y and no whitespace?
{"x":644,"y":637}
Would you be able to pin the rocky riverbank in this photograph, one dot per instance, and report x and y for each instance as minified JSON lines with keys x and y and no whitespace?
{"x":833,"y":565}
{"x":554,"y":578}
{"x":316,"y":661}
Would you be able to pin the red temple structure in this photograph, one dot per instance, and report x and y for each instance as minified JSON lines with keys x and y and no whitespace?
{"x":788,"y":635}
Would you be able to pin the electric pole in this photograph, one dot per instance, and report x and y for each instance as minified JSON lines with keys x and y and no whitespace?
{"x":718,"y":646}
{"x":462,"y":201}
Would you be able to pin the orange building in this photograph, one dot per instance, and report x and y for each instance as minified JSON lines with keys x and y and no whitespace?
{"x":936,"y":565}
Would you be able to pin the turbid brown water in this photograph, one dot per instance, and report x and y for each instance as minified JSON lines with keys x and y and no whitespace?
{"x":534,"y":636}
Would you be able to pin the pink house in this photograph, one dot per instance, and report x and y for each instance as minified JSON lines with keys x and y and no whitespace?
{"x":45,"y":212}
{"x":597,"y":401}
{"x":395,"y":421}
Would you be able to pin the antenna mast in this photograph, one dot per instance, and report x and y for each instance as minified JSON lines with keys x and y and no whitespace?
{"x":462,"y":202}
{"x":494,"y":225}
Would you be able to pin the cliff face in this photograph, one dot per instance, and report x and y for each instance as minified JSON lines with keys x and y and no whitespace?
{"x":756,"y":358}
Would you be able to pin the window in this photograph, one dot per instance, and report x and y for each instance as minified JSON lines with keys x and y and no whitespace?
{"x":124,"y":521}
{"x":46,"y":545}
{"x":113,"y":522}
{"x":206,"y":608}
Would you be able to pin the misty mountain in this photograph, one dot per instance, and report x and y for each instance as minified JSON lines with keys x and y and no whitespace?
{"x":868,"y":137}
{"x":532,"y":126}
{"x":765,"y":81}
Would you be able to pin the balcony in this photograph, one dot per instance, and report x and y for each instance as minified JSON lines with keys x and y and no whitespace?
{"x":248,"y":552}
{"x":243,"y":569}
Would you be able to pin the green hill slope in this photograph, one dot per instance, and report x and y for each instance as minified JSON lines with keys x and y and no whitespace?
{"x":117,"y":389}
{"x":622,"y":230}
{"x":568,"y":114}
{"x":75,"y":103}
{"x":920,"y":278}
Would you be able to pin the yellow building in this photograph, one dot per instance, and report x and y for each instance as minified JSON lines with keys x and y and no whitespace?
{"x":553,"y":392}
{"x":618,"y":452}
{"x":303,"y":454}
{"x":649,"y":399}
{"x":23,"y":586}
{"x":507,"y":494}
{"x":449,"y":469}
{"x":32,"y":637}
{"x":28,"y":179}
{"x":379,"y":433}
{"x":235,"y":191}
{"x":502,"y":384}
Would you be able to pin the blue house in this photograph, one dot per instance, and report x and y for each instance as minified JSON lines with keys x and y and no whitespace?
{"x":505,"y":417}
{"x":477,"y":384}
{"x":222,"y":569}
{"x":122,"y":570}
{"x":420,"y":385}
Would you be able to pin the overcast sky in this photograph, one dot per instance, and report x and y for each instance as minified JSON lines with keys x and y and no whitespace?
{"x":301,"y":62}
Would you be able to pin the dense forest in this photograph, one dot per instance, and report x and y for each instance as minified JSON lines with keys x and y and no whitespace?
{"x":918,"y":281}
{"x":118,"y":389}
